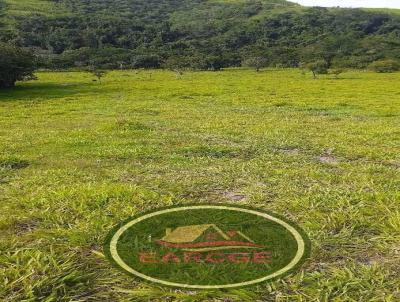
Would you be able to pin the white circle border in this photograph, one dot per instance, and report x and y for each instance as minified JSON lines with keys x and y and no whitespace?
{"x":299,"y":239}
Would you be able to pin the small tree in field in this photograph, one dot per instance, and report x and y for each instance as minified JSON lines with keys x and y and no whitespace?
{"x":176,"y":65}
{"x":255,"y":62}
{"x":97,"y":73}
{"x":316,"y":67}
{"x":16,"y":64}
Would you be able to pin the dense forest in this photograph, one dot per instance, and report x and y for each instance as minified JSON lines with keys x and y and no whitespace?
{"x":199,"y":34}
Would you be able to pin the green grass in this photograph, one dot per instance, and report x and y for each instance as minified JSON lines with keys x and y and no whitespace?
{"x":78,"y":157}
{"x":27,"y":7}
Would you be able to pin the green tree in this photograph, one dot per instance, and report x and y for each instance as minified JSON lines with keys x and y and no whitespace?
{"x":316,"y":67}
{"x":205,"y":35}
{"x":382,"y":66}
{"x":255,"y":62}
{"x":16,"y":64}
{"x":146,"y":61}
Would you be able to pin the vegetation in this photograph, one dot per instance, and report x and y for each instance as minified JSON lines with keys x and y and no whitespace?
{"x":76,"y":158}
{"x":316,"y":67}
{"x":255,"y":62}
{"x":15,"y":65}
{"x":336,"y":72}
{"x":385,"y":66}
{"x":196,"y":34}
{"x":99,"y":74}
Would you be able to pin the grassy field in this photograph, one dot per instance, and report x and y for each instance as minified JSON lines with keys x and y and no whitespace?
{"x":27,"y":7}
{"x":77,"y":157}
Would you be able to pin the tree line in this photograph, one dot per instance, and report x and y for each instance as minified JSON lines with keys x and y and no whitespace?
{"x":203,"y":35}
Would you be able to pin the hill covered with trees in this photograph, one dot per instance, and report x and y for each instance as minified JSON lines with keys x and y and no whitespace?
{"x":198,"y":34}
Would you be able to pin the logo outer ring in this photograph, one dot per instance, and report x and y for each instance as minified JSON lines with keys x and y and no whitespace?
{"x":111,"y":246}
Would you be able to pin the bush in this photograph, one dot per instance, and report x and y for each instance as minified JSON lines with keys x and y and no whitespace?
{"x":16,"y":64}
{"x":146,"y":61}
{"x":195,"y":62}
{"x":385,"y":66}
{"x":107,"y":58}
{"x":255,"y":62}
{"x":316,"y":67}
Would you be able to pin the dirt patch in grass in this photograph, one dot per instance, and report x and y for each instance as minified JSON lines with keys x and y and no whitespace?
{"x":186,"y":97}
{"x":25,"y":226}
{"x":13,"y":164}
{"x":328,"y":158}
{"x":393,"y":163}
{"x":218,"y":152}
{"x":234,"y":196}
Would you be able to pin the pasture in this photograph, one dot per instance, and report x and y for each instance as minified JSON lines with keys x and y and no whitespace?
{"x":78,"y":156}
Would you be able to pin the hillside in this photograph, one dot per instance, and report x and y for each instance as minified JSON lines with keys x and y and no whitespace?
{"x":383,"y":10}
{"x":196,"y":33}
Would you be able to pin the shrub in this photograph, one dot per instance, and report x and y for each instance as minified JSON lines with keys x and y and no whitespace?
{"x":385,"y":66}
{"x":16,"y":64}
{"x":255,"y":62}
{"x":316,"y":67}
{"x":146,"y":61}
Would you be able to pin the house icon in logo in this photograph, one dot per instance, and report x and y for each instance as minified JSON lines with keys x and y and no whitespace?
{"x":205,"y":237}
